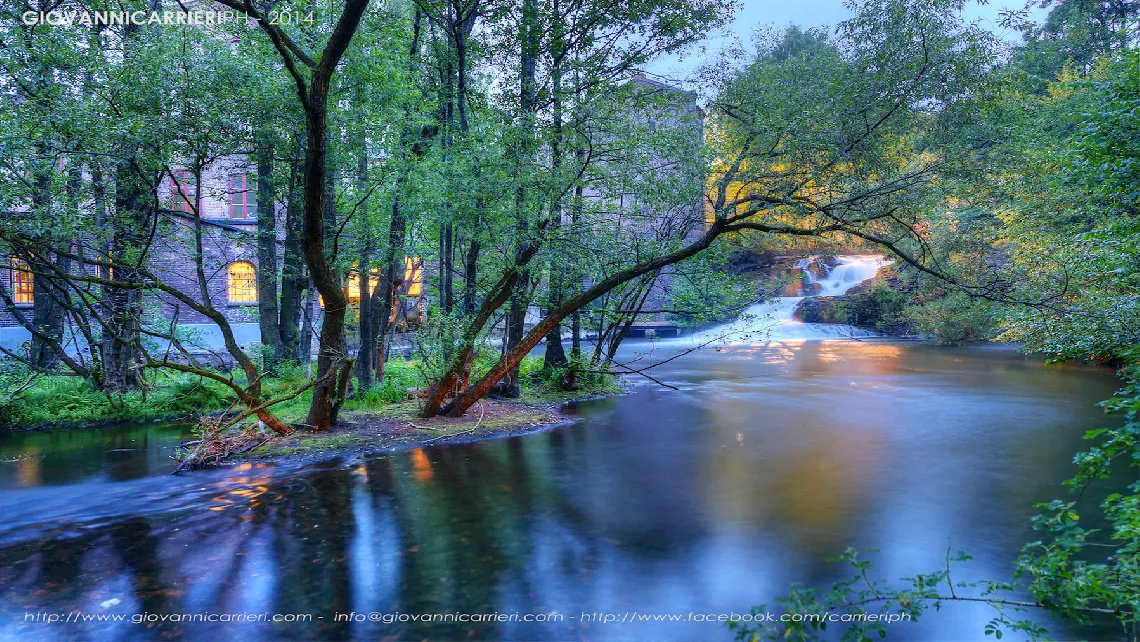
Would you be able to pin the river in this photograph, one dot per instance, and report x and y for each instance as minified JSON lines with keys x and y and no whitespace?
{"x":770,"y":458}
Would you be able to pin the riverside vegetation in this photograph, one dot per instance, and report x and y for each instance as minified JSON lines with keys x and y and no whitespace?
{"x":1002,"y":182}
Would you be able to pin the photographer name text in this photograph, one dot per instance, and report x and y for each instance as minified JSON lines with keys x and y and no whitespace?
{"x":200,"y":17}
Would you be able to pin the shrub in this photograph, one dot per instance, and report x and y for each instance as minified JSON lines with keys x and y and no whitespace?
{"x":954,"y":319}
{"x":880,"y":307}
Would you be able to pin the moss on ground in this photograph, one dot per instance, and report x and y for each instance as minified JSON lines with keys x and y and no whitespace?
{"x":397,"y":426}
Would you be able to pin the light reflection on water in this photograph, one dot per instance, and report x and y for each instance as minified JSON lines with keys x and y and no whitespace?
{"x":770,"y":460}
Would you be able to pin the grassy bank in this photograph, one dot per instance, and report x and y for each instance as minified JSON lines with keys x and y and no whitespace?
{"x":28,"y":400}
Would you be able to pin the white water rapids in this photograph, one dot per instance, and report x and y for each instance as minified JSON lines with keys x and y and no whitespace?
{"x":772,"y":320}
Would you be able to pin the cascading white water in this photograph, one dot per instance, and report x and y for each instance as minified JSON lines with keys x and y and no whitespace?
{"x":849,"y":272}
{"x":803,"y":265}
{"x":772,"y":320}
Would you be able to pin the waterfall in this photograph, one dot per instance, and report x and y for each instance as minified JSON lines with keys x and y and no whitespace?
{"x":849,"y":272}
{"x":803,"y":265}
{"x":772,"y":320}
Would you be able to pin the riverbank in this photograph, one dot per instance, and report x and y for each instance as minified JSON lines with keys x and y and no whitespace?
{"x":31,"y":401}
{"x":397,"y":427}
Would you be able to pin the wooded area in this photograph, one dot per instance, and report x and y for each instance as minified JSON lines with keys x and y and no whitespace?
{"x":509,"y":166}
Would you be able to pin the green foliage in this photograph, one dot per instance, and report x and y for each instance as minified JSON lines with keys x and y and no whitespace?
{"x":68,"y":400}
{"x":880,"y":307}
{"x":190,"y":395}
{"x":953,"y":319}
{"x":59,"y":400}
{"x":701,"y":291}
{"x":549,"y":384}
{"x":400,"y":376}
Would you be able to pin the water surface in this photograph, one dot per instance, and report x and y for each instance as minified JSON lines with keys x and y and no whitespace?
{"x":770,"y":459}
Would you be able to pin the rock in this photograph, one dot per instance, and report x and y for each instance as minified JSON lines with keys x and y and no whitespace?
{"x":821,"y":309}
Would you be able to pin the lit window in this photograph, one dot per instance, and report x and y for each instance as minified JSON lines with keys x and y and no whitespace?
{"x":243,"y":198}
{"x":183,"y":191}
{"x":23,"y":291}
{"x":352,"y":289}
{"x":413,"y":275}
{"x":243,"y":283}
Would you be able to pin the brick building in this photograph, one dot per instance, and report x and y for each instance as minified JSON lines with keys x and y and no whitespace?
{"x":230,"y":212}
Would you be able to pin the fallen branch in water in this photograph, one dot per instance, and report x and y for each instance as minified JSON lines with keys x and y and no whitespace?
{"x":218,"y":443}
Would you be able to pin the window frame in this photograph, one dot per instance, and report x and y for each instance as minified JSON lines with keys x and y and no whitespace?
{"x":247,"y":284}
{"x":243,"y":197}
{"x":22,"y":282}
{"x":183,"y":191}
{"x":413,"y":276}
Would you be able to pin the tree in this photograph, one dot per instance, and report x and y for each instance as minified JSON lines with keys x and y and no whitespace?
{"x":334,"y":367}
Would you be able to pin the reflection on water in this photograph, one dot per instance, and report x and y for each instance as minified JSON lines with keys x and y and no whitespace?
{"x":111,"y":453}
{"x":768,"y":461}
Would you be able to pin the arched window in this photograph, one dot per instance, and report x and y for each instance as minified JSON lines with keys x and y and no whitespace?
{"x":23,"y":289}
{"x":243,"y":282}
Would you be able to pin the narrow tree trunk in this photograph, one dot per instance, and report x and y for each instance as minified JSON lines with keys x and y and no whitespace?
{"x":575,"y":275}
{"x":529,"y":39}
{"x":294,"y":281}
{"x":309,"y":317}
{"x":470,"y":277}
{"x":393,"y":265}
{"x":364,"y":358}
{"x":268,"y":321}
{"x":47,"y":314}
{"x":555,"y":356}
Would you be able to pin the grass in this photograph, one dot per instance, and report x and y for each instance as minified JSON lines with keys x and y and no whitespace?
{"x":70,"y":401}
{"x":57,"y":400}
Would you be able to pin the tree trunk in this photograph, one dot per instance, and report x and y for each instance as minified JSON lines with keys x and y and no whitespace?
{"x":574,"y":273}
{"x":555,"y":356}
{"x":385,"y":295}
{"x":47,"y":313}
{"x":332,"y":362}
{"x":123,"y":308}
{"x":272,"y":345}
{"x":331,"y":356}
{"x":294,"y":281}
{"x":470,"y":276}
{"x":528,"y":92}
{"x":364,"y":358}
